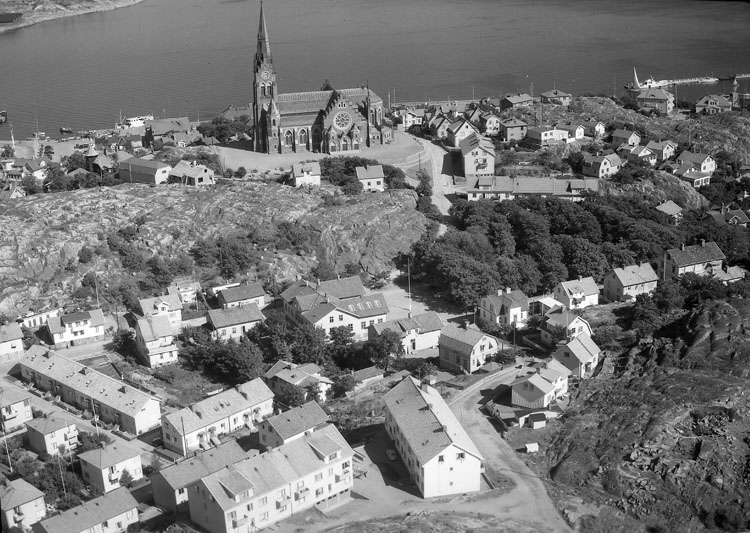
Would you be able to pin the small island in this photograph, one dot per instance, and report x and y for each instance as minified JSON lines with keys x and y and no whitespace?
{"x":15,"y":14}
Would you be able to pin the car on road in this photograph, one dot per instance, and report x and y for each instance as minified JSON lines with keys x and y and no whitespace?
{"x":391,"y":454}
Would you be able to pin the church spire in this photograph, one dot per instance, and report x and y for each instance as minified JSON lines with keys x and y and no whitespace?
{"x":264,"y":47}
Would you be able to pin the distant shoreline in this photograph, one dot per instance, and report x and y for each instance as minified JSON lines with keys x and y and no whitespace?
{"x":31,"y":18}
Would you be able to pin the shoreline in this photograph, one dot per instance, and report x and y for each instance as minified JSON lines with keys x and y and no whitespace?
{"x":31,"y":19}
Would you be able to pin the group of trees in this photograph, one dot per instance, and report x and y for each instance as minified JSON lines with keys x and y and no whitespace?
{"x":222,"y":128}
{"x":341,"y":171}
{"x":535,"y":243}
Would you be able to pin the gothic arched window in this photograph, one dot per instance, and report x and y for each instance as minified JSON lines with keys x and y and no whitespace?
{"x":262,"y":89}
{"x":289,"y":138}
{"x":303,"y":138}
{"x":270,"y":90}
{"x":344,"y":144}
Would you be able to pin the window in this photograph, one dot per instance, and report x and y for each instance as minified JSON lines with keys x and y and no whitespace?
{"x":264,"y":517}
{"x":300,"y":484}
{"x":319,"y":476}
{"x":341,"y":318}
{"x":460,"y":456}
{"x":441,"y":459}
{"x":333,"y":456}
{"x":182,"y":490}
{"x":330,"y":319}
{"x":318,"y":492}
{"x":233,"y":515}
{"x":263,"y":501}
{"x":330,"y":471}
{"x":380,"y":320}
{"x":363,"y":324}
{"x":282,"y":508}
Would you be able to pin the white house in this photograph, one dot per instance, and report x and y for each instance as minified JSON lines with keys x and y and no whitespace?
{"x":704,"y":259}
{"x":562,"y":324}
{"x":186,"y":288}
{"x":418,"y":332}
{"x":621,"y":284}
{"x":313,"y":471}
{"x":700,"y":162}
{"x":285,"y":377}
{"x":290,"y":425}
{"x":137,"y":170}
{"x":578,"y":293}
{"x":477,"y":155}
{"x":601,"y":166}
{"x":459,"y":130}
{"x":580,"y":355}
{"x":110,"y":513}
{"x":371,"y":177}
{"x":507,"y":307}
{"x":11,"y":342}
{"x":51,"y":434}
{"x":36,"y":319}
{"x":168,"y":304}
{"x":200,"y":424}
{"x":154,"y":341}
{"x":233,"y":322}
{"x":103,"y":467}
{"x":240,"y":295}
{"x":193,"y":174}
{"x":306,"y":174}
{"x":76,"y":328}
{"x":15,"y":408}
{"x":532,"y":392}
{"x":21,"y":504}
{"x":625,"y":137}
{"x":436,"y":450}
{"x":465,"y":349}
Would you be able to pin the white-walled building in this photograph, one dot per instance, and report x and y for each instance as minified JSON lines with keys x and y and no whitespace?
{"x":49,"y":433}
{"x":76,"y":328}
{"x":193,"y":174}
{"x":199,"y":425}
{"x":290,"y":425}
{"x":111,"y":513}
{"x":234,"y":322}
{"x":37,"y":319}
{"x":154,"y":341}
{"x":285,"y":377}
{"x":626,"y":283}
{"x":240,"y":295}
{"x":434,"y":447}
{"x":21,"y":504}
{"x":506,"y":308}
{"x":15,"y":408}
{"x":578,"y":293}
{"x":562,"y":324}
{"x":137,"y":170}
{"x":371,"y":178}
{"x":314,"y":471}
{"x":110,"y":399}
{"x":418,"y":332}
{"x":169,"y":305}
{"x":306,"y":174}
{"x":465,"y":349}
{"x":580,"y":355}
{"x":103,"y":467}
{"x":11,"y":342}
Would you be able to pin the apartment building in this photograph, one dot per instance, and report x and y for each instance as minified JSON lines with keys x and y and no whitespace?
{"x":52,"y":434}
{"x":103,"y":467}
{"x":110,"y":399}
{"x":114,"y":512}
{"x":199,"y":425}
{"x":15,"y":409}
{"x":258,"y":492}
{"x":291,"y":425}
{"x":154,"y":341}
{"x":435,"y":448}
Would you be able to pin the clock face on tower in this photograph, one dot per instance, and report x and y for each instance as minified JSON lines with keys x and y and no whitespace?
{"x":342,"y":120}
{"x":265,"y":75}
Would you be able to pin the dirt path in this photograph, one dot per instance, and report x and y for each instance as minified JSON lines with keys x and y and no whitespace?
{"x":441,"y":183}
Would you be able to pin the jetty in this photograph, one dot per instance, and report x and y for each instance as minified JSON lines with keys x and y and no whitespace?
{"x":730,"y":77}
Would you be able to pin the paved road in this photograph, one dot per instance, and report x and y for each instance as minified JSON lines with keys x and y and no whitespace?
{"x":441,"y":183}
{"x":528,"y":502}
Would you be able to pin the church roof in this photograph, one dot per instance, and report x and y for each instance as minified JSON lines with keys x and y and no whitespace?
{"x":312,"y":102}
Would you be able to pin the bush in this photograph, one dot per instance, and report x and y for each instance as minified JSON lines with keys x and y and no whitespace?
{"x":85,"y":255}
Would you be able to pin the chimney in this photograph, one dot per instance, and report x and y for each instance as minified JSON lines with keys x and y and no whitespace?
{"x":703,"y":243}
{"x":507,"y":290}
{"x":444,"y":428}
{"x":102,"y":444}
{"x":579,"y":278}
{"x":425,"y":387}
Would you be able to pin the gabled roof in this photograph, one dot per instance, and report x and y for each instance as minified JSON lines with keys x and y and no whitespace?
{"x":313,"y":168}
{"x":349,"y":287}
{"x":425,"y":420}
{"x":142,"y":165}
{"x":196,"y":467}
{"x":162,"y":126}
{"x":691,"y":157}
{"x":513,"y":123}
{"x":10,"y":396}
{"x":517,"y":99}
{"x":209,"y":410}
{"x":108,"y":455}
{"x":561,"y":318}
{"x":49,"y":424}
{"x":654,"y":93}
{"x":150,"y":305}
{"x":697,"y":253}
{"x":369,"y":172}
{"x":153,"y":328}
{"x":624,"y":133}
{"x":367,"y":373}
{"x":587,"y":286}
{"x":537,"y":381}
{"x":583,"y":348}
{"x":277,"y":468}
{"x":462,"y":338}
{"x":10,"y":332}
{"x":243,"y":292}
{"x":510,"y":300}
{"x":659,"y":146}
{"x":185,"y":168}
{"x":720,"y":100}
{"x":365,"y":306}
{"x":424,"y":322}
{"x":555,"y":93}
{"x":91,"y":513}
{"x":475,"y":141}
{"x":669,"y":208}
{"x":18,"y":492}
{"x":298,"y":420}
{"x":635,"y":274}
{"x":557,"y":366}
{"x":299,"y":375}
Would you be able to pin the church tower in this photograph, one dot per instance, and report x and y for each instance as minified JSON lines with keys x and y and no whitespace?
{"x":264,"y":86}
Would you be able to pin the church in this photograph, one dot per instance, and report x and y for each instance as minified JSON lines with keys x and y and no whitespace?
{"x":329,"y":120}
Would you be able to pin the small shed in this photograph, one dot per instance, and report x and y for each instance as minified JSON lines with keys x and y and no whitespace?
{"x":531,"y":447}
{"x":537,"y":420}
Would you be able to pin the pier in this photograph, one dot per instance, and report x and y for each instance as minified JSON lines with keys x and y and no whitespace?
{"x":730,"y":77}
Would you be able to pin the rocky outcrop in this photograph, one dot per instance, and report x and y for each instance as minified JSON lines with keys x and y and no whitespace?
{"x":42,"y":234}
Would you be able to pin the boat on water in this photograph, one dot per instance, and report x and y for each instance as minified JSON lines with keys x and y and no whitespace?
{"x":648,"y":83}
{"x":708,"y":79}
{"x":65,"y":129}
{"x":3,"y":116}
{"x":133,"y":122}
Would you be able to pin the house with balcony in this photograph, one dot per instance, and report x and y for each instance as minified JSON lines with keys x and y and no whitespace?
{"x":84,"y":388}
{"x":417,"y":332}
{"x":506,"y":308}
{"x":76,"y":328}
{"x":288,"y":378}
{"x":52,"y":434}
{"x":560,"y":324}
{"x":626,"y":283}
{"x":371,"y":177}
{"x":306,"y":174}
{"x":154,"y":341}
{"x":252,"y":293}
{"x":103,"y":467}
{"x":199,"y":425}
{"x":15,"y":408}
{"x":465,"y":349}
{"x":477,"y":155}
{"x":233,"y":322}
{"x":168,"y":305}
{"x":171,"y":484}
{"x":578,"y":293}
{"x":290,"y":425}
{"x":21,"y":504}
{"x":513,"y":129}
{"x":11,"y":342}
{"x":334,"y":303}
{"x":114,"y":512}
{"x":580,"y":355}
{"x":436,"y":450}
{"x":704,"y":259}
{"x":313,"y":471}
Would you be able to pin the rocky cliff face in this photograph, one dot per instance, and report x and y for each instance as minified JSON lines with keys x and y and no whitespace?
{"x":664,"y":439}
{"x":40,"y":236}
